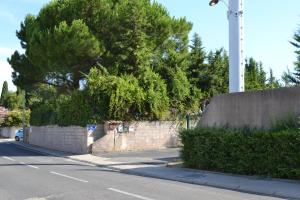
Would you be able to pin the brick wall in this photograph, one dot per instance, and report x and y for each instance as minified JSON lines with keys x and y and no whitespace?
{"x":106,"y":138}
{"x":72,"y":139}
{"x":9,"y":132}
{"x":137,"y":136}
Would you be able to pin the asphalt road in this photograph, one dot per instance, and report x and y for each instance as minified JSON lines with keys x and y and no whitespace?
{"x":32,"y":176}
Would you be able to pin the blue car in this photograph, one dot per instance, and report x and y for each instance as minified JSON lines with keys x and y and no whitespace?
{"x":19,"y":135}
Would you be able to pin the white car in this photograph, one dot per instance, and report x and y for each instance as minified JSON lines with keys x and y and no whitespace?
{"x":19,"y":135}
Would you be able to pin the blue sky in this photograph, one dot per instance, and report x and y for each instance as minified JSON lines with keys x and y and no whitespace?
{"x":269,"y":26}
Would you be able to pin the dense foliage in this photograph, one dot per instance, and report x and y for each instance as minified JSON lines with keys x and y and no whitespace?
{"x":67,"y":38}
{"x":48,"y":107}
{"x":272,"y":153}
{"x":123,"y":59}
{"x":293,"y":78}
{"x":16,"y":118}
{"x":4,"y":93}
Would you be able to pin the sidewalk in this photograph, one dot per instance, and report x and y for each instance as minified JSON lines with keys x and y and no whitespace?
{"x":287,"y":189}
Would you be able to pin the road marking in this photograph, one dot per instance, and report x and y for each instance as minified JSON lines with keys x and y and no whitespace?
{"x":7,"y":158}
{"x":130,"y":194}
{"x":34,"y":167}
{"x":70,"y":177}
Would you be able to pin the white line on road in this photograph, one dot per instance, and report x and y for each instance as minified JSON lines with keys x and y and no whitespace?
{"x":130,"y":194}
{"x":70,"y":177}
{"x":7,"y":158}
{"x":34,"y":167}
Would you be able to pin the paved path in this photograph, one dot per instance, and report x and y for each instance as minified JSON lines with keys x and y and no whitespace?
{"x":33,"y":176}
{"x":162,"y":156}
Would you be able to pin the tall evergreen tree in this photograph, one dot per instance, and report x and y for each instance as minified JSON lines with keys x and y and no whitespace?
{"x":262,"y":76}
{"x":196,"y":67}
{"x":255,"y":76}
{"x":272,"y":81}
{"x":4,"y":93}
{"x":217,"y":72}
{"x":285,"y":77}
{"x":294,"y":78}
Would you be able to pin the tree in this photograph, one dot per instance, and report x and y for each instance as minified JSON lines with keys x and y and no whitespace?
{"x":197,"y":69}
{"x":272,"y":81}
{"x":13,"y":100}
{"x":255,"y":76}
{"x":129,"y":57}
{"x":121,"y":97}
{"x":217,"y":73}
{"x":157,"y":100}
{"x":294,"y":78}
{"x":4,"y":93}
{"x":43,"y":105}
{"x":262,"y":76}
{"x":67,"y":38}
{"x":285,"y":77}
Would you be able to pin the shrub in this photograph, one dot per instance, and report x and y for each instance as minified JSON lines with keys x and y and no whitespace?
{"x":43,"y":106}
{"x":50,"y":107}
{"x":274,"y":153}
{"x":126,"y":97}
{"x":156,"y":104}
{"x":74,"y":110}
{"x":15,"y":118}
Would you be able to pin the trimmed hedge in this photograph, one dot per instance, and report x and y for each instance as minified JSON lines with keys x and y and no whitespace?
{"x":273,"y":153}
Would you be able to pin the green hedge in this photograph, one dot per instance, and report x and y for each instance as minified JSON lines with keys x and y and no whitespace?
{"x":267,"y":153}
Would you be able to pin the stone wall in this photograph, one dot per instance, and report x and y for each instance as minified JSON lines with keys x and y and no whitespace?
{"x":137,"y":136}
{"x":259,"y":109}
{"x":99,"y":132}
{"x":72,"y":139}
{"x":9,"y":132}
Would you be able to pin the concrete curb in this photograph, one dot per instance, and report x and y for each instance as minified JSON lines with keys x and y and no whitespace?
{"x":152,"y":175}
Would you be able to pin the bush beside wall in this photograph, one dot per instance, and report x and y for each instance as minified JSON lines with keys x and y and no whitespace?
{"x":14,"y":118}
{"x":273,"y":153}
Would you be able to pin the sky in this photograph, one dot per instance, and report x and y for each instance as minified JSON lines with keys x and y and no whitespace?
{"x":269,"y":26}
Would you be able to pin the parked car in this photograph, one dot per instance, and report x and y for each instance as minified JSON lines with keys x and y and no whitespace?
{"x":19,"y":135}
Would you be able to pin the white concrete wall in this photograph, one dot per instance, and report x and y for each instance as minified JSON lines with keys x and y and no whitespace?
{"x":73,"y":139}
{"x":257,"y":109}
{"x":9,"y":132}
{"x":141,"y":136}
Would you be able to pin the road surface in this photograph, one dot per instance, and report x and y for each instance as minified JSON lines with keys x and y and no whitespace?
{"x":26,"y":175}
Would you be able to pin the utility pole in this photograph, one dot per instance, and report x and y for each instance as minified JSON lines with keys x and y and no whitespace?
{"x":235,"y":15}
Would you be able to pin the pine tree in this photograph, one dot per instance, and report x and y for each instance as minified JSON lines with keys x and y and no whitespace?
{"x":197,"y":70}
{"x":262,"y":76}
{"x":285,"y":77}
{"x":272,"y":81}
{"x":294,"y":78}
{"x":251,"y":75}
{"x":218,"y":72}
{"x":255,"y":76}
{"x":4,"y":93}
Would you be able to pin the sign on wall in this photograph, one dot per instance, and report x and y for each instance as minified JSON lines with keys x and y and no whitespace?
{"x":91,"y":128}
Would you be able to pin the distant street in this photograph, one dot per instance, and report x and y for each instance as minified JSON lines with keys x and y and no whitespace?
{"x":31,"y":176}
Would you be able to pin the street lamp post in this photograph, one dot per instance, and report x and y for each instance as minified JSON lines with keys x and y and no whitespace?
{"x":236,"y":44}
